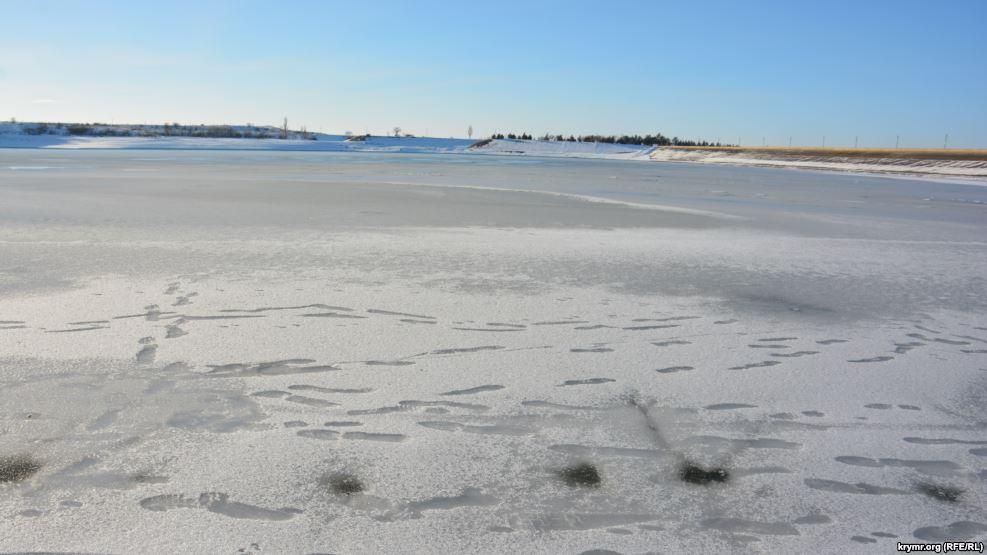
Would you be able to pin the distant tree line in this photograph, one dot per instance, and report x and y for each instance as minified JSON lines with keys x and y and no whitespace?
{"x":102,"y":130}
{"x":168,"y":129}
{"x":523,"y":136}
{"x":649,"y":140}
{"x":177,"y":130}
{"x":41,"y":129}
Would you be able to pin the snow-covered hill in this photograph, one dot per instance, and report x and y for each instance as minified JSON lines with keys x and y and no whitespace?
{"x":562,"y":148}
{"x":243,"y":137}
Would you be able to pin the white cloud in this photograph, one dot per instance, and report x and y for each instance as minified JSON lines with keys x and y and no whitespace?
{"x":43,"y":101}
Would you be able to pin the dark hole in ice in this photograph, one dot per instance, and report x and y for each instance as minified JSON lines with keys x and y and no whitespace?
{"x":342,"y":484}
{"x":949,"y":494}
{"x":14,"y":468}
{"x":582,"y":474}
{"x":695,"y":474}
{"x":148,"y":478}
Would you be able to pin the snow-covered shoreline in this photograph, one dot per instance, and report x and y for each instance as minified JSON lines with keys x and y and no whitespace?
{"x":19,"y":136}
{"x":975,"y":170}
{"x":122,"y":137}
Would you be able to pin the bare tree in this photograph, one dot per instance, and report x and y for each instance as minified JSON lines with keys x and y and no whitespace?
{"x":284,"y":129}
{"x":397,"y":131}
{"x":469,"y":132}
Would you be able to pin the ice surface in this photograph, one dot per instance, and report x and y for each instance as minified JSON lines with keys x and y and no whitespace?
{"x":190,"y":352}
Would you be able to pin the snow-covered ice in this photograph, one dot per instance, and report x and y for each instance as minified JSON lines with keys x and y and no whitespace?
{"x":370,"y":352}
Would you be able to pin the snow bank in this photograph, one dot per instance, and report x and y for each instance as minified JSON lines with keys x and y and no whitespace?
{"x":563,"y":149}
{"x":899,"y":166}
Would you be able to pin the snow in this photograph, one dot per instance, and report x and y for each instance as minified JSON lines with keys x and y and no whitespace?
{"x":969,"y":169}
{"x":193,"y":344}
{"x":19,"y":136}
{"x":565,"y":149}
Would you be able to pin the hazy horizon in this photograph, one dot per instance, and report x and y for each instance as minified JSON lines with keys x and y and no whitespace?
{"x":764,"y":74}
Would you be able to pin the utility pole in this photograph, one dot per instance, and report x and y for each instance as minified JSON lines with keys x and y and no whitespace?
{"x":897,"y":138}
{"x":824,"y":141}
{"x":789,"y":141}
{"x":945,"y":142}
{"x":854,"y":141}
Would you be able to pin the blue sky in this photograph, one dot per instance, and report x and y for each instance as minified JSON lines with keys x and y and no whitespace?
{"x":760,"y":71}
